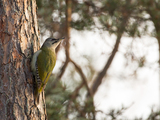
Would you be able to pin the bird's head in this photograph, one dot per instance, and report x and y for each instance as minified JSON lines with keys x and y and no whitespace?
{"x":52,"y":42}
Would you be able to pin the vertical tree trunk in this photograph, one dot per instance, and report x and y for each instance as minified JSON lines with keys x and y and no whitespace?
{"x":68,"y":27}
{"x":18,"y":35}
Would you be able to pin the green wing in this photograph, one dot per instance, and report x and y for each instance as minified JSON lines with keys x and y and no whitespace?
{"x":45,"y":63}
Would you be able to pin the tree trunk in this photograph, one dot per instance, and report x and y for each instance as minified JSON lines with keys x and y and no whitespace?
{"x":18,"y":34}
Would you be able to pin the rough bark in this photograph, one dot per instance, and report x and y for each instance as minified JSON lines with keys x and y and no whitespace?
{"x":18,"y":35}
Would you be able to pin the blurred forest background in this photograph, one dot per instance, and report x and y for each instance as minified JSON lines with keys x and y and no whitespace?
{"x":79,"y":73}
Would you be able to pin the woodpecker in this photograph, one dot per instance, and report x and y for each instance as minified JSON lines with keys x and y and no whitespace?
{"x":42,"y":64}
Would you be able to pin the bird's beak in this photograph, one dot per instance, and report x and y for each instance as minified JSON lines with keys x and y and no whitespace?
{"x":57,"y":40}
{"x":60,"y":39}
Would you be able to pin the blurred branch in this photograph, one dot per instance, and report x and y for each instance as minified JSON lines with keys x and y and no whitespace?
{"x":152,"y":10}
{"x":63,"y":69}
{"x":67,"y":39}
{"x":114,"y":113}
{"x":100,"y":76}
{"x":140,"y":18}
{"x":90,"y":3}
{"x":73,"y":97}
{"x":89,"y":100}
{"x":67,"y":47}
{"x":76,"y":91}
{"x":154,"y":115}
{"x":83,"y":77}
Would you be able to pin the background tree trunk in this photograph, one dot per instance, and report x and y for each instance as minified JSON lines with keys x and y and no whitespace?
{"x":18,"y":35}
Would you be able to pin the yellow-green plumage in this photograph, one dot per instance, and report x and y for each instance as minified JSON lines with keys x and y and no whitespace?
{"x":46,"y":62}
{"x":42,"y":65}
